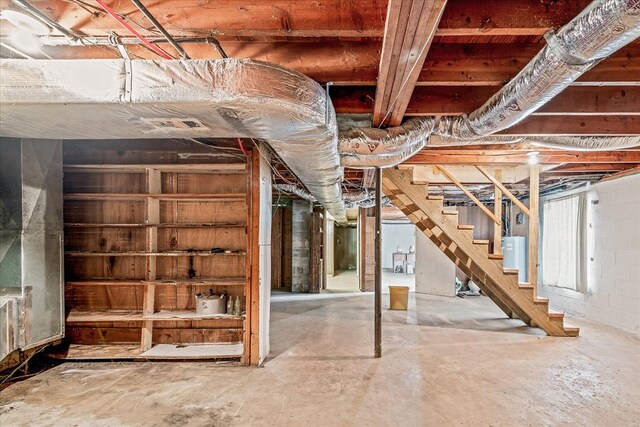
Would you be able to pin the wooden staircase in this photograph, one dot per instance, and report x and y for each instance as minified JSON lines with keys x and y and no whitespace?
{"x":471,"y":256}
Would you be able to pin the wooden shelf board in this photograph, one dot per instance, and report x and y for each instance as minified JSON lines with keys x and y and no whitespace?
{"x":77,"y":316}
{"x":169,"y":282}
{"x":166,"y":225}
{"x":158,"y":352}
{"x":224,"y":168}
{"x":188,"y":315}
{"x":215,"y":197}
{"x":142,"y":253}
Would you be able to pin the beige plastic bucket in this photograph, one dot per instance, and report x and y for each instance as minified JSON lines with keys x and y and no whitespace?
{"x":398,"y":297}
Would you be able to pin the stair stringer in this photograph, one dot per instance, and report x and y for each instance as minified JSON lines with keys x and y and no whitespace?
{"x":425,"y":224}
{"x":399,"y":188}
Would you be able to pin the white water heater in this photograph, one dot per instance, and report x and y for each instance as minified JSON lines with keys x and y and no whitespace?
{"x":515,"y":250}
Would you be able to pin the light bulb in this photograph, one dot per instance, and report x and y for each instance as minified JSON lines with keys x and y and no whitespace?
{"x":533,"y":158}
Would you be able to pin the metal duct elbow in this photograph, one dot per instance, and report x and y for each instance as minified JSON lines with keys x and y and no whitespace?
{"x":228,"y":98}
{"x":602,"y":28}
{"x":373,"y":147}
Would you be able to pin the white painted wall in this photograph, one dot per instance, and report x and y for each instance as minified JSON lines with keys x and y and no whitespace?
{"x":613,"y":296}
{"x":394,"y":235}
{"x":435,"y":273}
{"x":264,"y":259}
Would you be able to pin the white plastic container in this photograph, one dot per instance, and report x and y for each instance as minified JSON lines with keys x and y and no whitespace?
{"x":216,"y":304}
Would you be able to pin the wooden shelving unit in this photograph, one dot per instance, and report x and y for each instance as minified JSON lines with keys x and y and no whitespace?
{"x":141,"y":240}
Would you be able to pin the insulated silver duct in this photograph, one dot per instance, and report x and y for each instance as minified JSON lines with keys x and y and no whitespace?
{"x":228,"y":98}
{"x":372,"y":147}
{"x":363,"y":199}
{"x":602,"y":28}
{"x":590,"y":143}
{"x":294,"y":190}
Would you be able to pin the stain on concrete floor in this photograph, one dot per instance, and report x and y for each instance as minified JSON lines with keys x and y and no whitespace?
{"x":447,"y":361}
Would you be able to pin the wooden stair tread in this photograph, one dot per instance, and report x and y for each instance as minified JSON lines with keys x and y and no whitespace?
{"x":472,"y":255}
{"x":571,"y":331}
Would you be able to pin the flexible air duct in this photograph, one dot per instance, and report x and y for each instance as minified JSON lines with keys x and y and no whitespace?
{"x":602,"y":28}
{"x":599,"y":30}
{"x":591,"y":143}
{"x":363,"y":199}
{"x":228,"y":98}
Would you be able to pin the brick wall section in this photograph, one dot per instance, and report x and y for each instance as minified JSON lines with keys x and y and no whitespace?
{"x":614,"y":259}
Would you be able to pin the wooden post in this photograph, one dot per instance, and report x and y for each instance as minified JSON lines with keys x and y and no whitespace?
{"x":534,"y":196}
{"x":154,"y":186}
{"x":378,"y":274}
{"x":497,"y":211}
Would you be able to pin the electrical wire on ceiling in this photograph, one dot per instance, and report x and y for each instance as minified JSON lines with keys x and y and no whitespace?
{"x":133,"y":31}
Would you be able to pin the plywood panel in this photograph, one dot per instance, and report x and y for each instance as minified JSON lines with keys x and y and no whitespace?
{"x":103,"y":211}
{"x":105,"y":267}
{"x":82,"y":182}
{"x":104,"y":239}
{"x":179,"y":239}
{"x":205,"y":183}
{"x":205,"y":212}
{"x":189,"y":267}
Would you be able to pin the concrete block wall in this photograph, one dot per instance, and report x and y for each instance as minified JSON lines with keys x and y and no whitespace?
{"x":613,"y":296}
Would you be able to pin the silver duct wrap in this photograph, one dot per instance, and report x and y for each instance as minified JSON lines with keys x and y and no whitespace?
{"x":373,"y":147}
{"x":602,"y":28}
{"x":118,"y":99}
{"x":363,"y":199}
{"x":295,"y":191}
{"x":590,"y":143}
{"x":369,"y":203}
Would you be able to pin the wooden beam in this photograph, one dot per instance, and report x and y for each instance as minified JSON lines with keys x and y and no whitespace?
{"x":514,"y":17}
{"x":583,"y":101}
{"x":575,"y":169}
{"x":284,"y":19}
{"x":576,"y":125}
{"x":409,"y":30}
{"x":489,"y":157}
{"x":356,"y":63}
{"x":469,"y":194}
{"x":534,"y":204}
{"x":621,"y":174}
{"x":494,"y":64}
{"x":503,"y":190}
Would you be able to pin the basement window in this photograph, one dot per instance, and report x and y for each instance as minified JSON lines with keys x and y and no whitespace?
{"x":563,"y":242}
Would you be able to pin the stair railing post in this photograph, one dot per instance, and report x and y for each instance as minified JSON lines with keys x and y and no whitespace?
{"x":497,"y":211}
{"x":534,"y":203}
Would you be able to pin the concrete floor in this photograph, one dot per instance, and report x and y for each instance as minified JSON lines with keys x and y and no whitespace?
{"x":447,"y":361}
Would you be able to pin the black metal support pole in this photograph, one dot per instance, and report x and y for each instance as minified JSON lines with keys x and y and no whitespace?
{"x":378,"y":272}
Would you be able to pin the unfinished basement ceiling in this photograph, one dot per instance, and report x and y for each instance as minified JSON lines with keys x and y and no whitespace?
{"x":476,"y":47}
